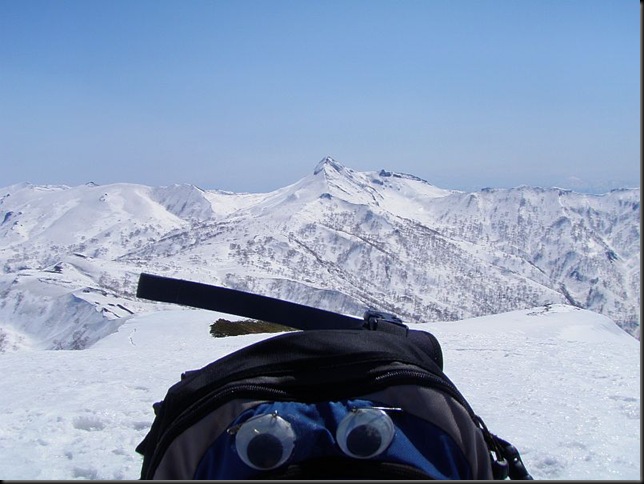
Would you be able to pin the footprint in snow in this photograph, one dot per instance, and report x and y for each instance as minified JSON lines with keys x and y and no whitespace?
{"x":89,"y":423}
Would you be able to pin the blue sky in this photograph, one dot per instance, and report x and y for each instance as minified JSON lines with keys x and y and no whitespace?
{"x":248,"y":95}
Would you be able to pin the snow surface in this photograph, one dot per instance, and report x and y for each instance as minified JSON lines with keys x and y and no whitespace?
{"x":560,"y":383}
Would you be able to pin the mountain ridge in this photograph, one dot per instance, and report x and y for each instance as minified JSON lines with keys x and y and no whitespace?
{"x":338,"y":239}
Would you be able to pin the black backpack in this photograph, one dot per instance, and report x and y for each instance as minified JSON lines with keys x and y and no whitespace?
{"x":360,"y":399}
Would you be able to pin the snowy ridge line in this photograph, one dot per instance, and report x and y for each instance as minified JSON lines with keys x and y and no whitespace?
{"x":417,"y":251}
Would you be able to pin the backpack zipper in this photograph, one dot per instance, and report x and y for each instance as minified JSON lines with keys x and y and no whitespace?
{"x":442,"y":383}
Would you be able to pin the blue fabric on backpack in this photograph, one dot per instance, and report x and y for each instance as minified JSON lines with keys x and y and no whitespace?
{"x":416,"y":442}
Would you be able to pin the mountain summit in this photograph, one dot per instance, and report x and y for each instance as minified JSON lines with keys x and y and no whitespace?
{"x":328,"y":163}
{"x":337,"y":239}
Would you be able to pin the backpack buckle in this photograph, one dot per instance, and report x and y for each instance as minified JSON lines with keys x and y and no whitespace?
{"x":386,"y":322}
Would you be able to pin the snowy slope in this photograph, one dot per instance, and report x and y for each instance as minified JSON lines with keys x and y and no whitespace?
{"x":560,"y":383}
{"x":42,"y":224}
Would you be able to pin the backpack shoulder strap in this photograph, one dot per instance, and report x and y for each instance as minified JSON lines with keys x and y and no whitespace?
{"x":240,"y":303}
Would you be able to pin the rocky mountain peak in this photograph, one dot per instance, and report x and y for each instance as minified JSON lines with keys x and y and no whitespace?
{"x":327,"y":164}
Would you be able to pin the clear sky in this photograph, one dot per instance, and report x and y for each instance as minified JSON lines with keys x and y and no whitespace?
{"x":248,"y":95}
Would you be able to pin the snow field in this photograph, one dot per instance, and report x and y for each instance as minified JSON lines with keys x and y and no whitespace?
{"x":561,"y":384}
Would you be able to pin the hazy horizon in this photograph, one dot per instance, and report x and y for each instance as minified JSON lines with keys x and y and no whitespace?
{"x":247,"y":96}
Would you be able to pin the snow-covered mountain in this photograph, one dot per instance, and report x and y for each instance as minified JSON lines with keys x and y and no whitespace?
{"x":337,"y":239}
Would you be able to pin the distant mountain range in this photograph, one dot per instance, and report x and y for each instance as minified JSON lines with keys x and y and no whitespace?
{"x":337,"y":239}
